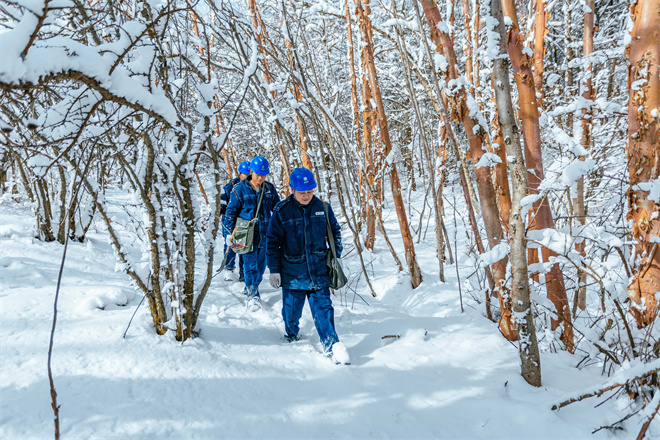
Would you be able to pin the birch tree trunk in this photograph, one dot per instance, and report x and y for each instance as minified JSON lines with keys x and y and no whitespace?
{"x":529,"y":115}
{"x":644,"y":157}
{"x":520,"y":294}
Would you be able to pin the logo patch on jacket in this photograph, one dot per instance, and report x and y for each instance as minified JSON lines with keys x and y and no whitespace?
{"x":319,"y":212}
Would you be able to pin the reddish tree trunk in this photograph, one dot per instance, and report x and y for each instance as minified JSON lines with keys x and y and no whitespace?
{"x":475,"y":134}
{"x":529,"y":116}
{"x":587,"y":94}
{"x":540,"y":29}
{"x":261,"y":38}
{"x":644,"y":156}
{"x":365,"y":27}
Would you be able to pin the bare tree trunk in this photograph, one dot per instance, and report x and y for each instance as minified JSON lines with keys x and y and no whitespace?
{"x":365,"y":27}
{"x":45,"y":213}
{"x":372,"y":156}
{"x":448,"y":136}
{"x":475,"y":55}
{"x":292,"y":58}
{"x":587,"y":95}
{"x":529,"y":115}
{"x":368,"y":116}
{"x":61,"y":230}
{"x":259,"y":29}
{"x":520,"y":294}
{"x":501,"y":176}
{"x":475,"y":133}
{"x":5,"y":163}
{"x":644,"y":156}
{"x":425,"y":146}
{"x":540,"y":30}
{"x":469,"y":43}
{"x":230,"y":165}
{"x":359,"y":153}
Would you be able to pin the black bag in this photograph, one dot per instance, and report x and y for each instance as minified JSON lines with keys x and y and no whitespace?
{"x":243,"y":235}
{"x":335,"y":272}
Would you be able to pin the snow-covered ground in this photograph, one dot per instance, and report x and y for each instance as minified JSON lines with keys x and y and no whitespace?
{"x":449,"y":375}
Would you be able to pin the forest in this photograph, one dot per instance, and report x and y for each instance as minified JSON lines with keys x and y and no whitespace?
{"x":544,"y":116}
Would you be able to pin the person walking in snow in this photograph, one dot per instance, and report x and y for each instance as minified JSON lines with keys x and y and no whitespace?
{"x":230,"y":261}
{"x":243,"y":204}
{"x":296,"y":253}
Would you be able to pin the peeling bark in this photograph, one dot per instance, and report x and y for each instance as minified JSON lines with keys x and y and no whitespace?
{"x":644,"y":157}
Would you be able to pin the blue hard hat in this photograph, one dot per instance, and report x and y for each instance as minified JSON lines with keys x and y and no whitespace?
{"x":244,"y":167}
{"x":260,"y":166}
{"x":302,"y":179}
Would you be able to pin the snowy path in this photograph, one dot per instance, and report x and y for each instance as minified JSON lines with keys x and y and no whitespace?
{"x":450,"y":374}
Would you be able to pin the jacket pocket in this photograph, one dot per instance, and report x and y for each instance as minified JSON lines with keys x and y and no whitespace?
{"x":294,"y":259}
{"x":293,"y":245}
{"x":318,"y":233}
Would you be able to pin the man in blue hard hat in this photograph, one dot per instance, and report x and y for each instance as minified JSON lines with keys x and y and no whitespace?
{"x":243,"y":204}
{"x":296,"y":252}
{"x":230,"y":265}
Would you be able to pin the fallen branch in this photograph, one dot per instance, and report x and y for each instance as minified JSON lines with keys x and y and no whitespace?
{"x":646,"y":370}
{"x":650,"y":417}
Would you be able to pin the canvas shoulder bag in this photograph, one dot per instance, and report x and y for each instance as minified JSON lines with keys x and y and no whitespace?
{"x":335,"y":272}
{"x":243,"y":235}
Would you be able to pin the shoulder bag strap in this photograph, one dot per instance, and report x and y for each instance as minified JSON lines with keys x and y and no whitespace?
{"x":331,"y":238}
{"x":261,"y":196}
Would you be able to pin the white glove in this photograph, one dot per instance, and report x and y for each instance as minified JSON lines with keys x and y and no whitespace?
{"x":228,"y":241}
{"x":275,"y":280}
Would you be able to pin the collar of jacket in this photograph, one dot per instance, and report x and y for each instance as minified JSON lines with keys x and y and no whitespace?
{"x":297,"y":203}
{"x":247,"y":182}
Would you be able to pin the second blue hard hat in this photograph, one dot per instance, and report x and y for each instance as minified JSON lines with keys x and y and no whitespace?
{"x":244,"y":167}
{"x":260,"y":166}
{"x":302,"y":179}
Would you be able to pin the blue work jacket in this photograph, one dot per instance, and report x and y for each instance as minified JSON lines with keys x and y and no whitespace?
{"x":224,"y":199}
{"x":226,"y":191}
{"x":243,"y":204}
{"x":297,"y":247}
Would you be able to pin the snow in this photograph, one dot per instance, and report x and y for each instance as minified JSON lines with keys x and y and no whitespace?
{"x":410,"y":25}
{"x":324,"y":7}
{"x":60,"y":55}
{"x":493,"y":39}
{"x":440,"y":62}
{"x":553,"y":239}
{"x":438,"y":372}
{"x":496,"y":254}
{"x":653,"y":188}
{"x":488,"y":160}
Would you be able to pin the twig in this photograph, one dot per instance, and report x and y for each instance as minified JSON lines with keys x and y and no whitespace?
{"x":586,"y":396}
{"x":458,"y":275}
{"x":602,"y":391}
{"x":53,"y":393}
{"x":136,"y":309}
{"x":613,"y":425}
{"x":648,"y":421}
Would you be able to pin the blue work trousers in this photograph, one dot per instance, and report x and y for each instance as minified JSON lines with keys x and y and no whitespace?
{"x":254,"y":266}
{"x":231,"y":261}
{"x":320,"y":305}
